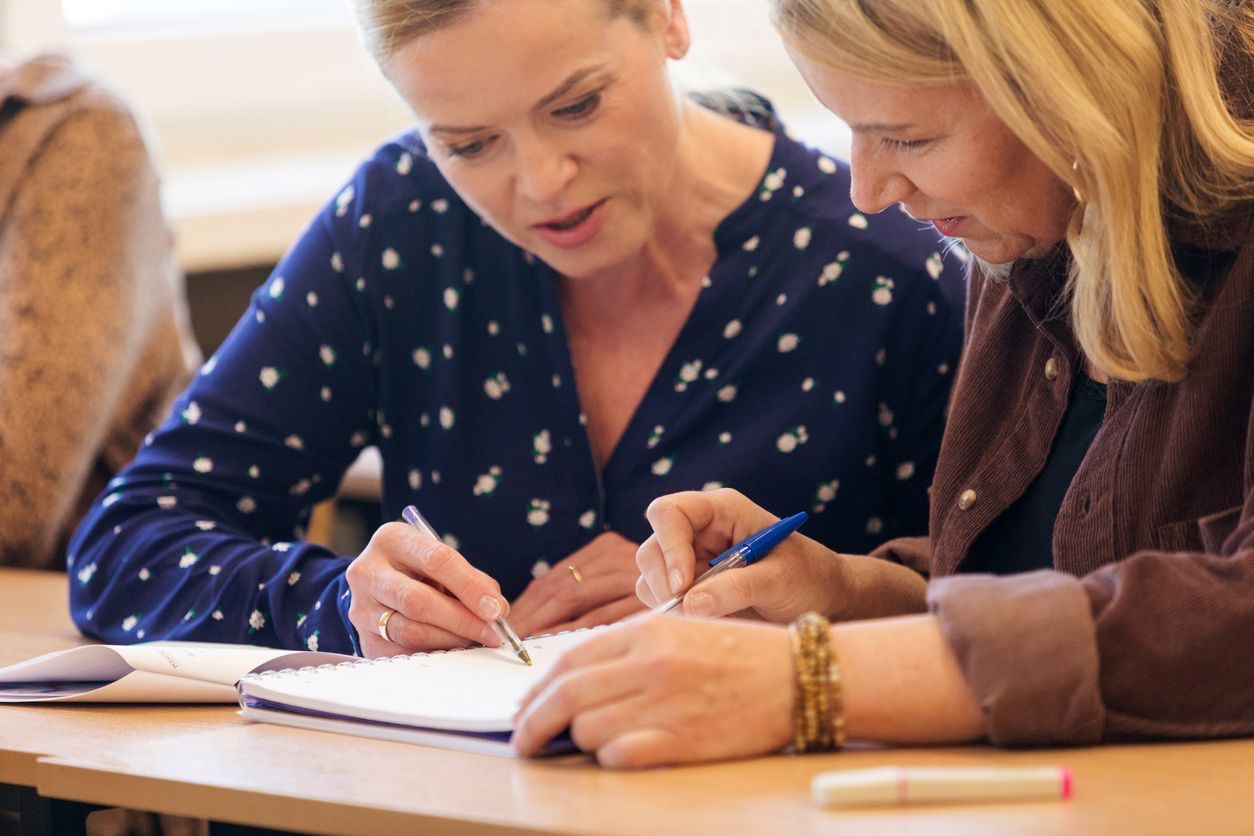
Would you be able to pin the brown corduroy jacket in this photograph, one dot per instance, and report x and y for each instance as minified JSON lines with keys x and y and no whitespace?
{"x":1145,"y":627}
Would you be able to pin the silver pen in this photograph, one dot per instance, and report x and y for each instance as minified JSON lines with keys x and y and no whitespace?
{"x":500,"y":625}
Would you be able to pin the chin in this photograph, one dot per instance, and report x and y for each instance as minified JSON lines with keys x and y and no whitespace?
{"x":582,"y":263}
{"x":596,"y":258}
{"x":998,"y":252}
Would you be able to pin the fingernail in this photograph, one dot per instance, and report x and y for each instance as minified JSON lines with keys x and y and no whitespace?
{"x":677,"y":580}
{"x":489,"y":607}
{"x":489,"y":638}
{"x":700,"y":603}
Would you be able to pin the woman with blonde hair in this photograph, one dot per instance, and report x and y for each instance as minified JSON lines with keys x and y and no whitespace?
{"x":569,"y":290}
{"x":1089,"y":571}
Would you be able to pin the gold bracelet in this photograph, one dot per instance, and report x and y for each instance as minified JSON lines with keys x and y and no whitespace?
{"x":818,"y":711}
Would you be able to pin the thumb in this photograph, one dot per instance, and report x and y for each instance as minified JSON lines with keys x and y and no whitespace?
{"x":724,"y":594}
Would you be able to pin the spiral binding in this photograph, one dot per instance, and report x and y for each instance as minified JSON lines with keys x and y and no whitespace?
{"x":383,"y":659}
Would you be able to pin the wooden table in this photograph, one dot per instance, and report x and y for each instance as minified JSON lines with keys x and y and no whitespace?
{"x":206,"y":762}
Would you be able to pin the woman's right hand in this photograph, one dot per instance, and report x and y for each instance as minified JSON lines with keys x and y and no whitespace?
{"x":440,"y":600}
{"x":798,"y":576}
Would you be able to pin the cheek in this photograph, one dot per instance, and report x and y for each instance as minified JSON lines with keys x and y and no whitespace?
{"x":482,"y":192}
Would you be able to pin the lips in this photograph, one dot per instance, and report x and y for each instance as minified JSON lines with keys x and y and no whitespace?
{"x":949,"y":227}
{"x":574,"y":229}
{"x":572,"y":220}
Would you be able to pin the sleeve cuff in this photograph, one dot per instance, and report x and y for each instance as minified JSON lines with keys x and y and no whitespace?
{"x":1027,"y":647}
{"x":913,"y":552}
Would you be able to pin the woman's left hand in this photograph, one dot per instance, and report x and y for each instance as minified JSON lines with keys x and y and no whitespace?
{"x":594,"y":585}
{"x":665,"y":690}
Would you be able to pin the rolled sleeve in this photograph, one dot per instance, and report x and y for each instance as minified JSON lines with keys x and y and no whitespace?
{"x":1027,"y":646}
{"x":913,"y":552}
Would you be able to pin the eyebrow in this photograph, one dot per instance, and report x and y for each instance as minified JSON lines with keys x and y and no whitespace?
{"x":571,"y":81}
{"x":881,"y":127}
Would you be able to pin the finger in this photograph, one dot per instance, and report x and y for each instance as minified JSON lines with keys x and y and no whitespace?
{"x":640,"y":748}
{"x":652,"y":567}
{"x":608,"y":614}
{"x":440,"y":563}
{"x":565,"y":698}
{"x":597,"y":648}
{"x":408,"y":636}
{"x":645,"y":593}
{"x":567,"y":599}
{"x":420,"y":604}
{"x":725,"y":593}
{"x":596,"y":725}
{"x":674,"y":519}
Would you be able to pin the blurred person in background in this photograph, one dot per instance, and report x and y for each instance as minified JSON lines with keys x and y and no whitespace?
{"x":94,"y":335}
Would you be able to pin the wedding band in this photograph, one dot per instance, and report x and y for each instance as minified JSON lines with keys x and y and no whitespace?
{"x":574,"y":570}
{"x":383,"y":624}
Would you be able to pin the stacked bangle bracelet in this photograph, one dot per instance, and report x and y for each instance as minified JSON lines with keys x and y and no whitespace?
{"x":818,"y":712}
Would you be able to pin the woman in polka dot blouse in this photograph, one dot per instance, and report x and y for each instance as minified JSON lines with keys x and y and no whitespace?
{"x":568,"y":291}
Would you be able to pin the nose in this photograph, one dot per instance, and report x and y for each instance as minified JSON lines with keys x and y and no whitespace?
{"x":544,"y":169}
{"x":876,"y":184}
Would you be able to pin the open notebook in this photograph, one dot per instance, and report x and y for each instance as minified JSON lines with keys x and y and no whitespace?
{"x":152,"y":672}
{"x":459,"y":699}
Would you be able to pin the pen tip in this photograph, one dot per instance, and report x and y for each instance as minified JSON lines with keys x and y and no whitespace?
{"x":525,"y":656}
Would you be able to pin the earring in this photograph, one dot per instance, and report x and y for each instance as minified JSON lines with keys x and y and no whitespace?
{"x":1075,"y":168}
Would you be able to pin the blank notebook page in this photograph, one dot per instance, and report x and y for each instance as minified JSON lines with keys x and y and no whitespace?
{"x":475,"y":690}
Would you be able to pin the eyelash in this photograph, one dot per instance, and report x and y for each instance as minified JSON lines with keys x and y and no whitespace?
{"x":470,"y":149}
{"x":577,"y":112}
{"x":903,"y":144}
{"x":581,"y":109}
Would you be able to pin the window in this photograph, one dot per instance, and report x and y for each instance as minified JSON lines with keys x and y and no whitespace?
{"x":118,"y":15}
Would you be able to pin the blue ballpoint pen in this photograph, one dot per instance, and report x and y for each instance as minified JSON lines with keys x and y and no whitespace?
{"x":747,"y":551}
{"x":500,"y":626}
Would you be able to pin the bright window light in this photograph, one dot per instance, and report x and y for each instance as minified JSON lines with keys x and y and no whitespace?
{"x":113,"y":15}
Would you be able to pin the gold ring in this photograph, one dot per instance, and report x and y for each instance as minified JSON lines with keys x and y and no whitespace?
{"x":574,"y":570}
{"x":383,"y":624}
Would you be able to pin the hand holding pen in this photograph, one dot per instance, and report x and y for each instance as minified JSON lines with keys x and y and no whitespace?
{"x":499,"y":625}
{"x":411,"y":592}
{"x":745,"y":553}
{"x":691,"y":531}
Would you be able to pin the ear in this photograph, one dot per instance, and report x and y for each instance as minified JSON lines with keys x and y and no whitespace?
{"x":677,"y":37}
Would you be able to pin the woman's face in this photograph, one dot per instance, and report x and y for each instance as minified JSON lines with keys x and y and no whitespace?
{"x":941,"y":153}
{"x":553,"y":121}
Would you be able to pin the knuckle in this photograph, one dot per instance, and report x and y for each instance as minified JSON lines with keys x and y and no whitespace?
{"x":358,"y":573}
{"x":567,"y":595}
{"x":388,"y":536}
{"x":435,"y":558}
{"x":659,"y":505}
{"x":358,"y":618}
{"x":659,"y":668}
{"x":740,"y":586}
{"x":413,"y":600}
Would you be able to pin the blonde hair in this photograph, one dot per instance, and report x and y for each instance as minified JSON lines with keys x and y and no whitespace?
{"x":387,"y":25}
{"x":1121,"y":99}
